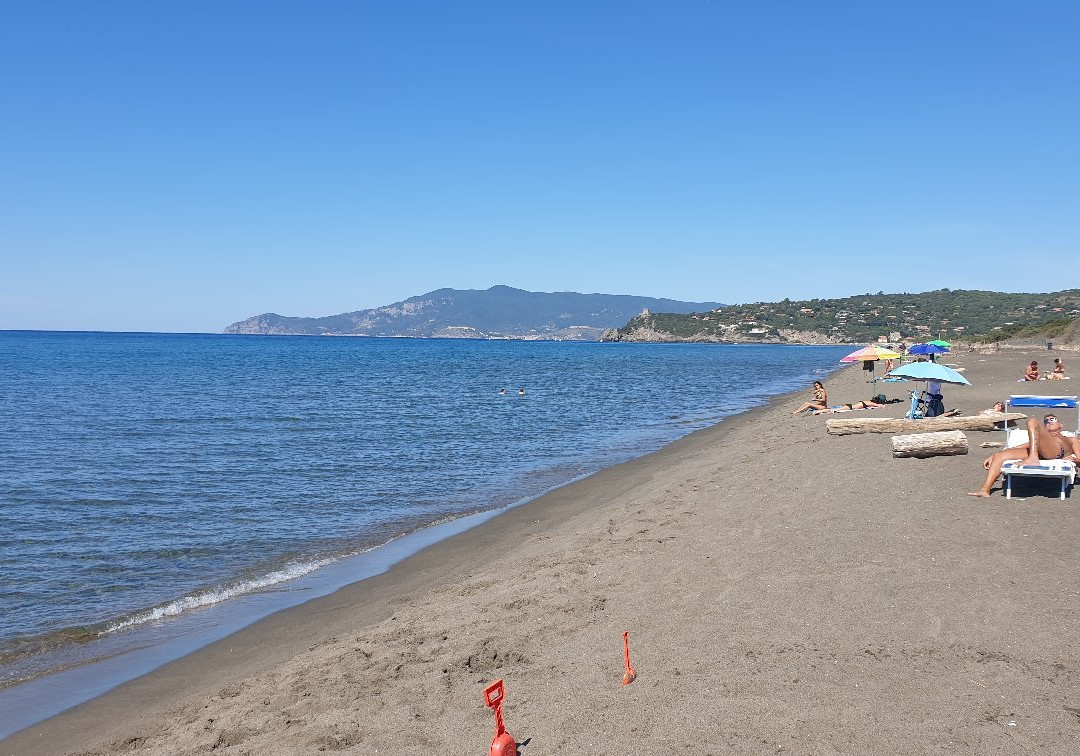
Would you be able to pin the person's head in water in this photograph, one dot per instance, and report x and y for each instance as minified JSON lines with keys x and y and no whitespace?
{"x":521,"y":392}
{"x":502,"y":391}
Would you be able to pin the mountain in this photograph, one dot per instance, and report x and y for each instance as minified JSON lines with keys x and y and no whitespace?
{"x":954,"y":315}
{"x":498,"y":312}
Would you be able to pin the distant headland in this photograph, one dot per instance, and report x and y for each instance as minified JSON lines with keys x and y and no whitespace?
{"x":500,"y":312}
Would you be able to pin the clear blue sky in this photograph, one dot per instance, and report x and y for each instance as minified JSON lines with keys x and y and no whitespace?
{"x":180,"y":166}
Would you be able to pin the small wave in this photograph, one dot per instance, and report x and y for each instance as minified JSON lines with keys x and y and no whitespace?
{"x":217,"y":595}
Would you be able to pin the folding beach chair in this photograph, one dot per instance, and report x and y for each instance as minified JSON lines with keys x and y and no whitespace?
{"x":920,"y":402}
{"x":1064,"y":470}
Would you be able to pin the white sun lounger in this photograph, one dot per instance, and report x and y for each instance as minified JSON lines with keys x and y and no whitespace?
{"x":1064,"y":470}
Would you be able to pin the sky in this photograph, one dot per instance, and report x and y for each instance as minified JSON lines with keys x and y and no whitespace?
{"x":181,"y":166}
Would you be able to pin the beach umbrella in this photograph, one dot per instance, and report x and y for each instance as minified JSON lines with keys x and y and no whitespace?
{"x":871,"y":352}
{"x":928,"y":348}
{"x":869,"y":355}
{"x":929,"y":371}
{"x":926,"y":371}
{"x":940,"y":343}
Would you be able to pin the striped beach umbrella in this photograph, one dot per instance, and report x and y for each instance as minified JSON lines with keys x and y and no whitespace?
{"x":871,"y":352}
{"x":869,"y":357}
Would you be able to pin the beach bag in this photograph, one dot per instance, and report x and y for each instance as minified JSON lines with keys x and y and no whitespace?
{"x":936,"y":406}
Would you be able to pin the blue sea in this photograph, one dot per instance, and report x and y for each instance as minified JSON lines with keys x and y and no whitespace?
{"x":149,"y":477}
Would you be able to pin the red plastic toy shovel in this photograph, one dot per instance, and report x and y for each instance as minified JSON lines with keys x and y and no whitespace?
{"x":504,"y":743}
{"x":631,"y":673}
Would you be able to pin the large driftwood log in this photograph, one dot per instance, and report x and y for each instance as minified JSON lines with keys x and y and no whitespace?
{"x":924,"y":445}
{"x":844,"y":426}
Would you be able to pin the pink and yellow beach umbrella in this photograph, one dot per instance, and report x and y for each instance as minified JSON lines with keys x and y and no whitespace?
{"x":871,"y":352}
{"x":869,"y":355}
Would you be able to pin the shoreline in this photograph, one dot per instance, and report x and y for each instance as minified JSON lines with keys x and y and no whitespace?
{"x":50,"y":692}
{"x":763,"y":583}
{"x":625,"y":439}
{"x":415,"y":571}
{"x":36,"y":699}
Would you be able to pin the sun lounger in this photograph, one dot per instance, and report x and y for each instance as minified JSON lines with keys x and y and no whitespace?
{"x":1064,"y":470}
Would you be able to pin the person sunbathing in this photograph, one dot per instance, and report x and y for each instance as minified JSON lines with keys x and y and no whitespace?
{"x":819,"y":402}
{"x":1032,"y":372}
{"x":1058,"y":373}
{"x":870,"y":403}
{"x":1046,"y":441}
{"x":998,"y":408}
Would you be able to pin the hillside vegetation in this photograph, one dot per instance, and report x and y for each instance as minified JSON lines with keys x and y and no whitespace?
{"x":958,"y":315}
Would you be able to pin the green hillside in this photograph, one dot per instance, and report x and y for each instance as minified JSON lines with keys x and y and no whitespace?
{"x":952,"y":315}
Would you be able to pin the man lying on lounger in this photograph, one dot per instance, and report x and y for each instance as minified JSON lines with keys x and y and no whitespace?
{"x":1046,"y":442}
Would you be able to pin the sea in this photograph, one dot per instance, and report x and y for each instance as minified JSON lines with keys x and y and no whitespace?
{"x":160,"y":490}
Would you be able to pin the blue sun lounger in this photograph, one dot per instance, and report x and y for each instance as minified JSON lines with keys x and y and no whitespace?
{"x":1064,"y":470}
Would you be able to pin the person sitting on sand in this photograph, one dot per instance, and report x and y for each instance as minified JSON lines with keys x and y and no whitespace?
{"x":1058,"y":373}
{"x":1046,"y":442}
{"x":868,"y":404}
{"x":819,"y":402}
{"x":1032,"y":373}
{"x":998,"y":407}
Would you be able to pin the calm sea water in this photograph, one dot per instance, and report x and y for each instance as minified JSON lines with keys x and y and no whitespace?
{"x":146,"y":476}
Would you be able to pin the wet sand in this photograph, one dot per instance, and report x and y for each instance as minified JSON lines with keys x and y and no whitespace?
{"x":784,"y":590}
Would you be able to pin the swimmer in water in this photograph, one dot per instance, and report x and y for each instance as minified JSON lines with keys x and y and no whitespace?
{"x":521,"y":392}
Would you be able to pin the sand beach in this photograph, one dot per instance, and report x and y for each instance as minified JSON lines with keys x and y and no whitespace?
{"x":785,"y":591}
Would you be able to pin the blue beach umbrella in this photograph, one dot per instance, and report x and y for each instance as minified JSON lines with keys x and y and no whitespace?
{"x":927,"y":349}
{"x":926,"y":371}
{"x":929,"y":371}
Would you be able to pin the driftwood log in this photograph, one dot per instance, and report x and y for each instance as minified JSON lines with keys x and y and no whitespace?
{"x":924,"y":445}
{"x":845,"y":427}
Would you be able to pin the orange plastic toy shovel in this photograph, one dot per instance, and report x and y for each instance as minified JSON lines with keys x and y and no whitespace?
{"x":504,"y":743}
{"x":631,"y":673}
